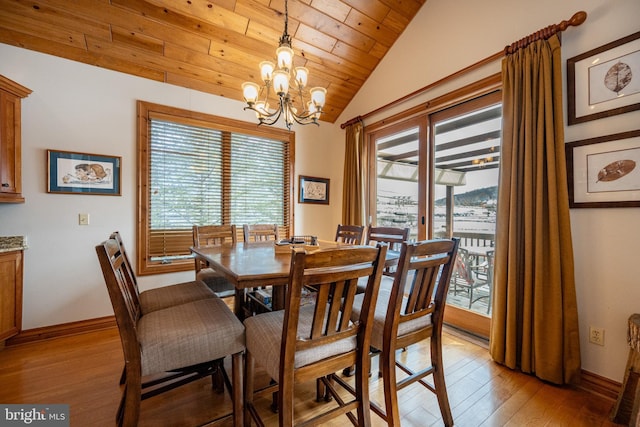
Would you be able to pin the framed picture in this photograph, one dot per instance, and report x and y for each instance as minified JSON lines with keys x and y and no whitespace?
{"x":313,"y":190}
{"x":81,"y":173}
{"x":604,"y":172}
{"x":604,"y":81}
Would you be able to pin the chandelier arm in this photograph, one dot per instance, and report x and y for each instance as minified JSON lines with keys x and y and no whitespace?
{"x":285,"y":104}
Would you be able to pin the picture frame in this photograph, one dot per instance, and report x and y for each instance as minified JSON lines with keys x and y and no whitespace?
{"x":82,"y":173}
{"x":604,"y":81}
{"x":313,"y":190}
{"x":604,"y":172}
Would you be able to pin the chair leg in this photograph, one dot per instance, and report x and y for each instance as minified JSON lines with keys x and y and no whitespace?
{"x":438,"y":380}
{"x":249,"y":372}
{"x":129,"y":412}
{"x":388,"y":368}
{"x":285,"y":399}
{"x":363,"y":371}
{"x":236,"y":395}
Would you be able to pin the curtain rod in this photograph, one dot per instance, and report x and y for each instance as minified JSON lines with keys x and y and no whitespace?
{"x":577,"y":19}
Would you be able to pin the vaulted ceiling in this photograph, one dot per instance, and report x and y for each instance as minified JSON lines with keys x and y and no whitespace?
{"x":214,"y":45}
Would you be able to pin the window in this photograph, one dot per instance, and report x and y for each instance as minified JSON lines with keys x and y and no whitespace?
{"x":198,"y":169}
{"x":436,"y":172}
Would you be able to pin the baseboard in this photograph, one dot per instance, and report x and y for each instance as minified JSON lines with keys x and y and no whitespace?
{"x":62,"y":330}
{"x":590,"y":382}
{"x":602,"y":386}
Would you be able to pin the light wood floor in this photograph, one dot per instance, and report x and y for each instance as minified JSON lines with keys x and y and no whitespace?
{"x":83,"y":371}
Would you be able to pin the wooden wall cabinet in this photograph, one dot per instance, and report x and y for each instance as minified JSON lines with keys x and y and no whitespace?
{"x":11,"y":94}
{"x":10,"y":294}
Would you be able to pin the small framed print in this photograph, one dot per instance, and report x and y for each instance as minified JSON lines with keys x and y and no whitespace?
{"x":604,"y":81}
{"x":82,"y":173}
{"x":604,"y":172}
{"x":313,"y":190}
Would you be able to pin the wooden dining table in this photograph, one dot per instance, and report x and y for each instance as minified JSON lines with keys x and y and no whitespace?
{"x":255,"y":264}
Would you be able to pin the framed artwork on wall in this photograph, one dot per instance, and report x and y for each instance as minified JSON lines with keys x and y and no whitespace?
{"x":604,"y":81}
{"x":313,"y":190}
{"x":82,"y":173}
{"x":604,"y":172}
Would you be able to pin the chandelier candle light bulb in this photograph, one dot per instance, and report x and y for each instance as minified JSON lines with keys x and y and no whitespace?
{"x":276,"y":77}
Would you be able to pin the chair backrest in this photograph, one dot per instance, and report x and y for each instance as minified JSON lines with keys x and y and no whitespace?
{"x":393,"y":236}
{"x":126,"y":306}
{"x":127,"y":261}
{"x":427,"y":265}
{"x":211,"y":235}
{"x":333,"y":275}
{"x":350,"y":234}
{"x":260,"y":232}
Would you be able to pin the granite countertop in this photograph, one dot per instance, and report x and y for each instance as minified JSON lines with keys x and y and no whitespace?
{"x":12,"y":243}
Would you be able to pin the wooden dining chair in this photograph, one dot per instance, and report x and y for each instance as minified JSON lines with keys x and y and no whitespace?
{"x":350,"y":234}
{"x":410,"y":311}
{"x":257,"y":233}
{"x":260,"y":232}
{"x":166,"y":296}
{"x":166,"y":348}
{"x":211,"y":235}
{"x":305,"y":342}
{"x":392,"y":236}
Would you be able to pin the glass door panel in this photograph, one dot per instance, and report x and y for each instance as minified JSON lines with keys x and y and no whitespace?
{"x":467,"y":153}
{"x":397,"y":189}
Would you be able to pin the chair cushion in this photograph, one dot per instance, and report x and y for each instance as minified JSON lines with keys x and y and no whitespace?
{"x":385,"y":282}
{"x":188,"y":334}
{"x":380,"y":317}
{"x":264,"y":336}
{"x":169,"y":296}
{"x":216,"y":282}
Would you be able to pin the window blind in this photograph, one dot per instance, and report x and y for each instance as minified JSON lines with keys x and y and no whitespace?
{"x":201,"y":175}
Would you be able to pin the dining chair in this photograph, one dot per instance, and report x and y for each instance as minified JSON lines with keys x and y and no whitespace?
{"x":211,"y":235}
{"x":305,"y":342}
{"x":410,"y":311}
{"x":257,"y":233}
{"x":469,"y":275}
{"x":169,"y":347}
{"x":392,"y":236}
{"x":260,"y":232}
{"x":350,"y":234}
{"x":162,"y":297}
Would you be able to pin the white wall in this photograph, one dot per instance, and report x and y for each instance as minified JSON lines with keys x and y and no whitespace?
{"x":450,"y":35}
{"x":77,"y":107}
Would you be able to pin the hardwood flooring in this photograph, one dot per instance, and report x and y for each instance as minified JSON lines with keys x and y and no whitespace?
{"x":84,"y":370}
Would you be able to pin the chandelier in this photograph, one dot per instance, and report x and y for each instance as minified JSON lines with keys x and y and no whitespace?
{"x":276,"y":77}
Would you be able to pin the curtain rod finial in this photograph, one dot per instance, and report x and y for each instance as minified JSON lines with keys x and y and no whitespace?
{"x":577,"y":19}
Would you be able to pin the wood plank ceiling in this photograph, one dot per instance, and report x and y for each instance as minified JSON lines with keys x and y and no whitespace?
{"x":214,"y":45}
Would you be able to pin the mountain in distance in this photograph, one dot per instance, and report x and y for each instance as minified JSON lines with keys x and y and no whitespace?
{"x":479,"y":197}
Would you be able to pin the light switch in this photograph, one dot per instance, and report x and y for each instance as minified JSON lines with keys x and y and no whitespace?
{"x":83,"y":219}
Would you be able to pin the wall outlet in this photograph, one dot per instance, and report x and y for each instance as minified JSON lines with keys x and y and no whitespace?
{"x":83,"y":219}
{"x":596,"y":335}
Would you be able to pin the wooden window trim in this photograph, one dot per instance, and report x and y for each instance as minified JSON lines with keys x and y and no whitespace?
{"x":145,"y":112}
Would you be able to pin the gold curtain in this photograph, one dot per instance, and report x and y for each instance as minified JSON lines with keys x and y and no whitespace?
{"x":535,"y":316}
{"x":355,"y":160}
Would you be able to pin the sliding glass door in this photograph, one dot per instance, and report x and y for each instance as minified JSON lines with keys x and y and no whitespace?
{"x":438,"y":175}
